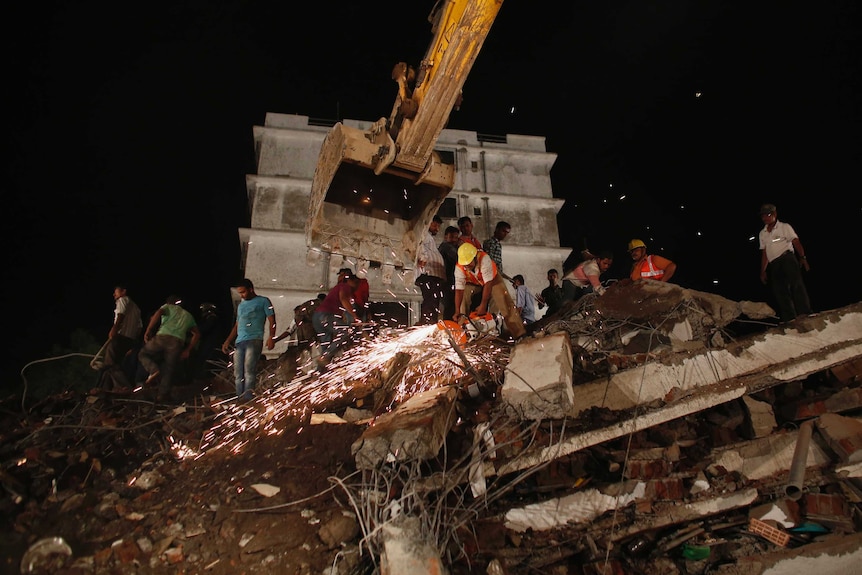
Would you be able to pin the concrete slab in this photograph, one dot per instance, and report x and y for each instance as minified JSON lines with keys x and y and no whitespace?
{"x":782,"y":354}
{"x":768,"y":456}
{"x":415,"y":430}
{"x":585,"y":506}
{"x":538,"y":379}
{"x":833,"y":555}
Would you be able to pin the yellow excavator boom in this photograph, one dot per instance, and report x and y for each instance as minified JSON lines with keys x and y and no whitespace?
{"x":374,"y":191}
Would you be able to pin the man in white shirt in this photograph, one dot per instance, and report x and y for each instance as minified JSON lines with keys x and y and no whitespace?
{"x":432,"y":274}
{"x":524,"y":300}
{"x":124,"y":335}
{"x":781,"y":257}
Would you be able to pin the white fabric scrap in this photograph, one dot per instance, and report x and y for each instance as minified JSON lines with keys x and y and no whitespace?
{"x":482,"y":436}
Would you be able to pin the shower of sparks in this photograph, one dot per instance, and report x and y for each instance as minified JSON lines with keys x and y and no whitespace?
{"x":433,"y":363}
{"x":181,"y":450}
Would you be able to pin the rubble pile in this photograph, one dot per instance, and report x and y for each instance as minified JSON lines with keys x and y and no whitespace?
{"x":649,"y":430}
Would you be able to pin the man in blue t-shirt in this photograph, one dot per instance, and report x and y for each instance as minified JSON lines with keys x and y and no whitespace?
{"x":251,"y":317}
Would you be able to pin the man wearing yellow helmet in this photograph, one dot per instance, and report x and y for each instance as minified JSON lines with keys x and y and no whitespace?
{"x":648,"y":266}
{"x":476,"y":270}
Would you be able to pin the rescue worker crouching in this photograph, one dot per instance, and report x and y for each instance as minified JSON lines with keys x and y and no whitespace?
{"x":475,"y":271}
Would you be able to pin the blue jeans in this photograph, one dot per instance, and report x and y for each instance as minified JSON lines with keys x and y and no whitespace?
{"x":245,"y":359}
{"x":333,"y":332}
{"x":324,"y":326}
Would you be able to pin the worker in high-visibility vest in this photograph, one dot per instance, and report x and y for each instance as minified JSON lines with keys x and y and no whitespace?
{"x":476,"y":270}
{"x":648,"y":266}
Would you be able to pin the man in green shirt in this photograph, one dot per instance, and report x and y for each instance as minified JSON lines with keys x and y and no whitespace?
{"x":166,"y":339}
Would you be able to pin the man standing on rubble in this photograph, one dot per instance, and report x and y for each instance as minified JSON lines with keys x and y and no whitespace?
{"x":781,"y":257}
{"x":252,"y":314}
{"x":552,"y":296}
{"x":166,"y":338}
{"x":448,"y":248}
{"x":586,"y":277}
{"x":333,"y":317}
{"x":432,"y":274}
{"x":122,"y":338}
{"x":524,"y":300}
{"x":477,"y":271}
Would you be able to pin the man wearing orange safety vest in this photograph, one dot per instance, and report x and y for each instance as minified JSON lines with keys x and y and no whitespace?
{"x":476,"y":270}
{"x":647,"y":266}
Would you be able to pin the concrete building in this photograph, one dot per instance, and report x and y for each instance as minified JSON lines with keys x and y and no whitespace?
{"x":501,"y":178}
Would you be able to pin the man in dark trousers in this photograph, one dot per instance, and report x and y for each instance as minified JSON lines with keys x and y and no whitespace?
{"x":123,"y":337}
{"x":333,"y":316}
{"x":781,"y":257}
{"x":432,"y":274}
{"x":167,"y":344}
{"x":448,"y":248}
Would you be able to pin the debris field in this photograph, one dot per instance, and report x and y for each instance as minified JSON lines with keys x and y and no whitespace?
{"x":653,"y":429}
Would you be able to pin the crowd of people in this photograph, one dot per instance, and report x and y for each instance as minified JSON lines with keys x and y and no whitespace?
{"x":459,"y":278}
{"x":473,"y":268}
{"x":462,"y":275}
{"x":173,"y":345}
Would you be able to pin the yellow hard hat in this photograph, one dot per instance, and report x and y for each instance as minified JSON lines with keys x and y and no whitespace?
{"x":636,"y":244}
{"x":466,"y":253}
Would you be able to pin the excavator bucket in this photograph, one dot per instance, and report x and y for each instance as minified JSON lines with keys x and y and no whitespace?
{"x":375,"y":191}
{"x":354,"y":211}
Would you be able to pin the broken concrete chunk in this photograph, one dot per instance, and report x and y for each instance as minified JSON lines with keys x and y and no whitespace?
{"x":147,"y":480}
{"x":580,"y":507}
{"x":843,"y":435}
{"x":761,"y":416}
{"x":762,"y":458}
{"x":416,"y":429}
{"x":538,"y":381}
{"x":339,"y":530}
{"x":266,"y":489}
{"x":405,"y":550}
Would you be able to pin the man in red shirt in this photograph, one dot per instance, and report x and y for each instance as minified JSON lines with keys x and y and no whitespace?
{"x":334,"y":315}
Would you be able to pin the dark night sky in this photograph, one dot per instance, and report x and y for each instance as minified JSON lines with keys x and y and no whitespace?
{"x":129,"y":133}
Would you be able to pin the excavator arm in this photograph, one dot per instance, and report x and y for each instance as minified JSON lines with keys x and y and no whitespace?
{"x":375,"y":190}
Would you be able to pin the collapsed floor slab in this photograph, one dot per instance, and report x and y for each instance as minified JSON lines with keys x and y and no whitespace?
{"x":781,"y":354}
{"x":815,"y":344}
